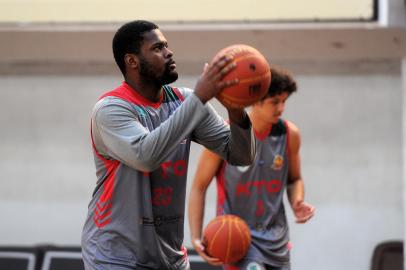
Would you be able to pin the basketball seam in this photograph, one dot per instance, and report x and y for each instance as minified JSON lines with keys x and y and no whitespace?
{"x":215,"y":235}
{"x":233,"y":99}
{"x":228,"y":240}
{"x":243,"y":57}
{"x":241,"y":233}
{"x":259,"y":77}
{"x":238,"y":101}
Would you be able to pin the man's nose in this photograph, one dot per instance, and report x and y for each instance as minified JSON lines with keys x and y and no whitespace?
{"x":169,"y":53}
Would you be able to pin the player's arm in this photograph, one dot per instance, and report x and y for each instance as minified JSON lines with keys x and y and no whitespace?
{"x":124,"y":138}
{"x":231,"y":142}
{"x":208,"y":165}
{"x":239,"y":117}
{"x":116,"y":128}
{"x":295,"y":189}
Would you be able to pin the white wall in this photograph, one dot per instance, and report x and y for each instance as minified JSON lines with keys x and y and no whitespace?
{"x":46,"y":166}
{"x":352,"y":168}
{"x":352,"y":152}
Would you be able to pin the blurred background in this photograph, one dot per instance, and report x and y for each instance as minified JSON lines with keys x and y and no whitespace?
{"x":349,"y":59}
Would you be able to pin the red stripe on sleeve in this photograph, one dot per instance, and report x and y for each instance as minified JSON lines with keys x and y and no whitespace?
{"x":221,"y":189}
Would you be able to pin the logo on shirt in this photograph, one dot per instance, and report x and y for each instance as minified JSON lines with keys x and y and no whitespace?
{"x":253,"y":266}
{"x":277,"y":162}
{"x":258,"y":186}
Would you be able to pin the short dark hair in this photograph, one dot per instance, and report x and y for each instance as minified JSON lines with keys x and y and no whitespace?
{"x":128,"y":39}
{"x":281,"y":81}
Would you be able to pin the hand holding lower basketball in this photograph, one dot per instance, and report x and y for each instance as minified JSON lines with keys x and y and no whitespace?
{"x":199,"y":248}
{"x":211,"y":81}
{"x":227,"y":238}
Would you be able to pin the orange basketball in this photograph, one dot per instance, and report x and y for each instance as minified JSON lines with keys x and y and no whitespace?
{"x":254,"y":76}
{"x":227,"y":238}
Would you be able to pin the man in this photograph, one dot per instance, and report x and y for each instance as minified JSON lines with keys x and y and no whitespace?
{"x":255,"y":193}
{"x":141,"y":134}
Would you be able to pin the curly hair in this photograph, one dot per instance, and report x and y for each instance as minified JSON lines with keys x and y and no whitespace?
{"x":281,"y":81}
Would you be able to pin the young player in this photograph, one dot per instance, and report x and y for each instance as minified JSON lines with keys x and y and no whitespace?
{"x":255,"y":192}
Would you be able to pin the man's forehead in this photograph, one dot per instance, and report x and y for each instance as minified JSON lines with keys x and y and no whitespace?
{"x":154,"y":36}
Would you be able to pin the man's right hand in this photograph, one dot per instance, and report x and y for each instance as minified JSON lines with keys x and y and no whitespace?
{"x":198,"y":246}
{"x":211,"y":81}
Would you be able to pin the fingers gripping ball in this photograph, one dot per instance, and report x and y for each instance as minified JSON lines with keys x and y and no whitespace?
{"x":227,"y":238}
{"x":254,"y":76}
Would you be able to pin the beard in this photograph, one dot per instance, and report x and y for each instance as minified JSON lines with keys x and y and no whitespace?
{"x":150,"y":75}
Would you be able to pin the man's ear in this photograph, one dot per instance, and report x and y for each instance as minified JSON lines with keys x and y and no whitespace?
{"x":131,"y":61}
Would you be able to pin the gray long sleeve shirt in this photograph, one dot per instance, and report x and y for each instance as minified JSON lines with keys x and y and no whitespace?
{"x":141,"y":151}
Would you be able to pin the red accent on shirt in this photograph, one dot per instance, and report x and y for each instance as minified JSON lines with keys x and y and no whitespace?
{"x":103,"y":215}
{"x":108,"y":185}
{"x":178,"y":94}
{"x":262,"y":135}
{"x":260,"y":209}
{"x":221,"y":189}
{"x":126,"y":92}
{"x":101,"y":224}
{"x":102,"y":211}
